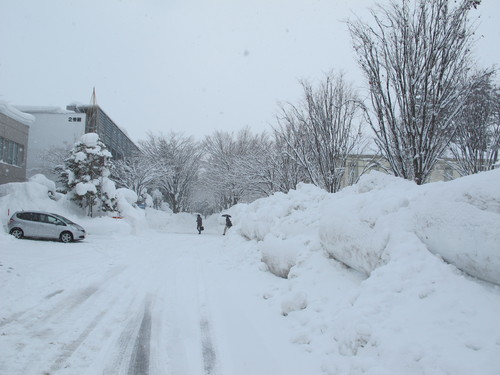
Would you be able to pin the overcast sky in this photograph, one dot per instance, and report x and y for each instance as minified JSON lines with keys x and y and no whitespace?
{"x":190,"y":66}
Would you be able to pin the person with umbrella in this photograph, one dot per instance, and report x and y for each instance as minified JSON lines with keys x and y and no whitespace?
{"x":199,"y":224}
{"x":228,"y":223}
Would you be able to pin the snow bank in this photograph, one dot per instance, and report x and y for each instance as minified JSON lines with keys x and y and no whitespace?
{"x":376,"y":276}
{"x":39,"y":194}
{"x":460,"y":221}
{"x":18,"y":196}
{"x":457,"y":220}
{"x":42,"y":180}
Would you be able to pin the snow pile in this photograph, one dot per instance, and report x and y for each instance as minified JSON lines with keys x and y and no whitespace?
{"x":42,"y":180}
{"x":374,"y":273}
{"x":458,"y":220}
{"x":461,"y":223}
{"x":18,"y":196}
{"x":38,"y":194}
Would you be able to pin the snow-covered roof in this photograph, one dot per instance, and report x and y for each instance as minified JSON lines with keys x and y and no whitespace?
{"x":42,"y":109}
{"x":16,"y":114}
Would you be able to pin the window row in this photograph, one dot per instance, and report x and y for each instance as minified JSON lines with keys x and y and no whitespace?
{"x":11,"y":152}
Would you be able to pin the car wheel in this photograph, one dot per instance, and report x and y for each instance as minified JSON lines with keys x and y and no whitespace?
{"x":18,"y":233}
{"x":66,"y":237}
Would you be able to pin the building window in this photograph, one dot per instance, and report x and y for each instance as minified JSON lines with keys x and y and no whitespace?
{"x":11,"y":152}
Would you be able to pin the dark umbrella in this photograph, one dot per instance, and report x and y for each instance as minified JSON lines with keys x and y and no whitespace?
{"x":226,"y":215}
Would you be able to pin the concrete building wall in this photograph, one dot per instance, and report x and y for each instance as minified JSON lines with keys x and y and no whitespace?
{"x":52,"y":135}
{"x":13,"y":149}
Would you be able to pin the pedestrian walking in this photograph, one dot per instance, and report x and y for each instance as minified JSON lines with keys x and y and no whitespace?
{"x":228,"y":224}
{"x":199,"y":224}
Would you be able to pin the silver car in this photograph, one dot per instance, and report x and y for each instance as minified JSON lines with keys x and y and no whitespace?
{"x":38,"y":224}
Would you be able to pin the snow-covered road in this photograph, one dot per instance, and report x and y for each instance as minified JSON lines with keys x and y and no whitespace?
{"x":157,"y":303}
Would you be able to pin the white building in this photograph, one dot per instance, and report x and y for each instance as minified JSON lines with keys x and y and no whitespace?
{"x":52,"y":134}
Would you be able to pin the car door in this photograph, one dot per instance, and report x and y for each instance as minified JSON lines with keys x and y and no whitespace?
{"x":54,"y":226}
{"x":28,"y":223}
{"x":47,"y":227}
{"x":39,"y":227}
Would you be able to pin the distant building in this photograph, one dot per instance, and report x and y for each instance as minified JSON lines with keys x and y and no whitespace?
{"x":14,"y":131}
{"x":55,"y":131}
{"x":357,"y":165}
{"x":115,"y":139}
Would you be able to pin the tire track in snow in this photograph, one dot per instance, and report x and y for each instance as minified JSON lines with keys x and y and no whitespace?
{"x":139,"y":361}
{"x":32,"y":316}
{"x":69,"y":349}
{"x":124,"y":346}
{"x":207,"y":347}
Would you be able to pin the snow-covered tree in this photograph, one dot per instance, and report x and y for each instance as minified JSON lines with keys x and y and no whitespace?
{"x":135,"y":173}
{"x":175,"y":160}
{"x":287,"y":173}
{"x":157,"y":197}
{"x":322,"y":131}
{"x":415,"y":56}
{"x":231,"y":170}
{"x":85,"y":176}
{"x":477,"y":140}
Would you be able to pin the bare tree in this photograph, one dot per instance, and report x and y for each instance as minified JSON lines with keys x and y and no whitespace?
{"x":135,"y":173}
{"x":477,"y":140}
{"x":220,"y":152}
{"x":286,"y":172}
{"x":415,"y":58}
{"x":49,"y":160}
{"x":323,"y":131}
{"x":254,"y":165}
{"x":234,"y":168}
{"x":176,"y":162}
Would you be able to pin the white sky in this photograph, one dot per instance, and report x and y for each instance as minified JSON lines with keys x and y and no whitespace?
{"x":190,"y":66}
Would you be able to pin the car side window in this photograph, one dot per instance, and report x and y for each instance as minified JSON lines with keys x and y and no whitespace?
{"x":21,"y":215}
{"x":24,"y":216}
{"x":42,"y":218}
{"x":53,"y":220}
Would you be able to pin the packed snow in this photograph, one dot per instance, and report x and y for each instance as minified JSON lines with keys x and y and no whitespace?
{"x":384,"y":277}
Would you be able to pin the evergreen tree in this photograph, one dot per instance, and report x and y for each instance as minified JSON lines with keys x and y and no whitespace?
{"x":85,"y":175}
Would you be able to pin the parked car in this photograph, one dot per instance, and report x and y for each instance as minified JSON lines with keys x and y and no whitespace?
{"x":38,"y":224}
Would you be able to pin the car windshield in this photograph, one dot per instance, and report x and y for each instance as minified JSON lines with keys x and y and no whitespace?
{"x":67,"y":221}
